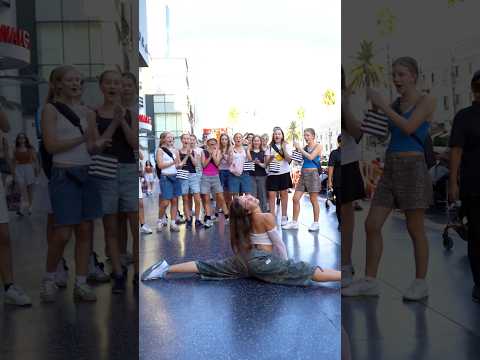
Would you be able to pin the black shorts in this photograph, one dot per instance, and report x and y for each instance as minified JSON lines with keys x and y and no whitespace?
{"x":352,"y":186}
{"x":279,"y":182}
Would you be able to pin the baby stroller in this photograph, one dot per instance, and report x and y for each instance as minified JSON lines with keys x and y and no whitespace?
{"x":440,"y":174}
{"x":456,"y":221}
{"x":330,"y":199}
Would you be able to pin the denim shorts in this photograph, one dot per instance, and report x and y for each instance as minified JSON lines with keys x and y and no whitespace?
{"x":192,"y":185}
{"x":240,"y":184}
{"x":224,"y":179}
{"x":170,"y":187}
{"x":74,"y":196}
{"x":210,"y":185}
{"x":260,"y":265}
{"x":119,"y":194}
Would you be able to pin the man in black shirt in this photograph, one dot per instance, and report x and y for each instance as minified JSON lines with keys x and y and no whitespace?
{"x":465,"y":156}
{"x":334,"y":164}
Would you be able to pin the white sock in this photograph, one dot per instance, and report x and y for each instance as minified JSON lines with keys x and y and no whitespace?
{"x":80,"y":280}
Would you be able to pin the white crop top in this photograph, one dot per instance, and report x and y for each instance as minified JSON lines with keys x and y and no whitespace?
{"x":271,"y":237}
{"x":65,"y":130}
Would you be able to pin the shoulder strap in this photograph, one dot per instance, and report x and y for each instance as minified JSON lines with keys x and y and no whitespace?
{"x":69,"y":114}
{"x":275,"y":147}
{"x":167,"y":151}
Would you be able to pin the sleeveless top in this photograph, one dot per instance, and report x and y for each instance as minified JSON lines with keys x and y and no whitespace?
{"x":120,"y":148}
{"x":401,"y":142}
{"x":78,"y":155}
{"x":224,"y":164}
{"x":24,"y":157}
{"x":310,"y":164}
{"x":260,"y":239}
{"x":211,"y":169}
{"x":188,"y":165}
{"x":171,"y":170}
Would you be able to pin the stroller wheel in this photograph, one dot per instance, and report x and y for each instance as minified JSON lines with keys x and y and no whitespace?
{"x":447,"y":241}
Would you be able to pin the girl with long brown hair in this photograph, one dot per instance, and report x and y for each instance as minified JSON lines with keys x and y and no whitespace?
{"x":258,"y":251}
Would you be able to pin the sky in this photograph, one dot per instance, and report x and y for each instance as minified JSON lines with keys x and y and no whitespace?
{"x":263,"y":57}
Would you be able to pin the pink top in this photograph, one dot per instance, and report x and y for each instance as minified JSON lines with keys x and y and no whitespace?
{"x":211,"y":169}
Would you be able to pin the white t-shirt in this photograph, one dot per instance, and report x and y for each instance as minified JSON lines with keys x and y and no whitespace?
{"x":284,"y":166}
{"x":351,"y":151}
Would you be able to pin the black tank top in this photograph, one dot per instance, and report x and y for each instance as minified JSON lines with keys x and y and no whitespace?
{"x":120,"y":148}
{"x":188,"y":165}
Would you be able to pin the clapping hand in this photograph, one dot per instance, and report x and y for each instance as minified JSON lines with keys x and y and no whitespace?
{"x":376,"y":99}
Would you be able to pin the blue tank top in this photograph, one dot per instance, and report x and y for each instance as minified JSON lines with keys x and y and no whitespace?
{"x":401,"y":142}
{"x":310,"y":164}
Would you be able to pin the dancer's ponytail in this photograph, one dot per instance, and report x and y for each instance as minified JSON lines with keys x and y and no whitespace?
{"x":240,"y":228}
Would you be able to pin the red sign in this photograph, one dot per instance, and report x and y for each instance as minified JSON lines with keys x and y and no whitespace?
{"x":14,"y":36}
{"x":144,"y":119}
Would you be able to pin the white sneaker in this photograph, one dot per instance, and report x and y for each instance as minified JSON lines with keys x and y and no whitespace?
{"x":174,"y":227}
{"x":83,"y":292}
{"x":145,"y":229}
{"x":156,"y":271}
{"x":362,"y":287}
{"x":284,"y":221}
{"x":292,"y":225}
{"x":418,"y":290}
{"x":159,"y":225}
{"x":48,"y":290}
{"x":208,"y":223}
{"x":347,"y":275}
{"x":314,"y":227}
{"x":96,"y":270}
{"x":16,"y":296}
{"x":61,"y":276}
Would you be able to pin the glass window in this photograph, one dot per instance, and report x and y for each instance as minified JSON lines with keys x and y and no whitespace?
{"x":158,"y":98}
{"x":159,"y":122}
{"x":171,"y":122}
{"x":50,"y":49}
{"x":169,"y":98}
{"x":48,"y":10}
{"x":76,"y":42}
{"x":96,"y":45}
{"x":158,"y":107}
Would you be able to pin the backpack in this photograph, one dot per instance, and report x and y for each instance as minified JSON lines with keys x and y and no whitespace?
{"x":427,"y":145}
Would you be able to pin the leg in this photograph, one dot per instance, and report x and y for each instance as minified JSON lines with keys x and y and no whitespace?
{"x":163,"y":207}
{"x":373,"y":227}
{"x":186,"y":267}
{"x":325,"y":275}
{"x":173,"y":209}
{"x":187,"y":209}
{"x":6,"y":273}
{"x":296,"y":205}
{"x":30,"y":196}
{"x":473,"y":216}
{"x":416,"y":230}
{"x":206,"y":204}
{"x":347,"y":226}
{"x":122,"y":233}
{"x":133,"y":220}
{"x":82,"y":247}
{"x":284,"y":201}
{"x":141,"y":212}
{"x":315,"y":206}
{"x":56,"y":246}
{"x":111,"y":229}
{"x":198,"y":205}
{"x":221,"y":203}
{"x":272,"y":198}
{"x":262,"y":192}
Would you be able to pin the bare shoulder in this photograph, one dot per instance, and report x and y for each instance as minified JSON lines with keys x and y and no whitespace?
{"x":268,"y":221}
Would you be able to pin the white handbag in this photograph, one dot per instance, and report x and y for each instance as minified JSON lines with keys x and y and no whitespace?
{"x":248,"y":166}
{"x":274,"y":167}
{"x":375,"y":123}
{"x":182,"y":174}
{"x":297,"y":156}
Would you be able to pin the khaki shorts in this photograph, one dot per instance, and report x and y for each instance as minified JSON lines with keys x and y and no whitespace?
{"x":309,"y":182}
{"x":406,"y":184}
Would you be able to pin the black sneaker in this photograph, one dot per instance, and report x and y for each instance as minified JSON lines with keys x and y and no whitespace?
{"x":198,"y":224}
{"x":476,"y":294}
{"x":118,"y":286}
{"x":189,"y":223}
{"x":135,"y":279}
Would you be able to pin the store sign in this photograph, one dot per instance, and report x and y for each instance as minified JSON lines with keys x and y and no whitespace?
{"x":14,"y":47}
{"x":144,"y":122}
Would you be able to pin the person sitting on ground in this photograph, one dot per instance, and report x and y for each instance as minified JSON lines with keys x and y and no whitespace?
{"x":259,"y":253}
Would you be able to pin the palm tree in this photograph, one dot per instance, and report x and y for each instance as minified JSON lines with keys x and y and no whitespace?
{"x":329,"y":97}
{"x":386,"y":23}
{"x":233,"y":115}
{"x":365,"y":73}
{"x":293,"y":133}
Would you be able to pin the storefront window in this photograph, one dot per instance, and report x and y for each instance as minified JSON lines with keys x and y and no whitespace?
{"x":76,"y":43}
{"x":50,"y":43}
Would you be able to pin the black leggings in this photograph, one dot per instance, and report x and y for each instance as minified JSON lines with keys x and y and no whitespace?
{"x":472,"y":210}
{"x":338,"y":204}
